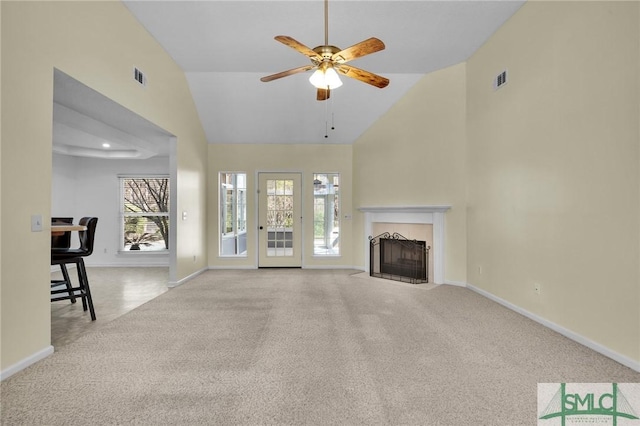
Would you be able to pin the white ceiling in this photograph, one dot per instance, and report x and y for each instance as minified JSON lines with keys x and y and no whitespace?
{"x":224,"y":47}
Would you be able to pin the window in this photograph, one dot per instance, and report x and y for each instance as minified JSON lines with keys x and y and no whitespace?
{"x":233,"y":214}
{"x":326,"y":214}
{"x":145,"y":213}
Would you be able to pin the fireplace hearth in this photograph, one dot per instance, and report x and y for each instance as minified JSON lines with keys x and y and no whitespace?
{"x":395,"y":257}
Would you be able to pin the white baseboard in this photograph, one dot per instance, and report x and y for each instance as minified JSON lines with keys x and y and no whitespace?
{"x":218,"y":267}
{"x":172,"y":284}
{"x":456,"y":283}
{"x":624,"y":360}
{"x":127,"y":265}
{"x":30,"y":360}
{"x":56,"y":268}
{"x":245,"y":267}
{"x":342,"y":267}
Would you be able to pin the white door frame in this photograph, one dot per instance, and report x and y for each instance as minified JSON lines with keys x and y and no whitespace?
{"x":262,"y":233}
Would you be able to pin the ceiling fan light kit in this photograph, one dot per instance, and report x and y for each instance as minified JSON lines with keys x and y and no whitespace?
{"x":325,"y":77}
{"x":328,"y":62}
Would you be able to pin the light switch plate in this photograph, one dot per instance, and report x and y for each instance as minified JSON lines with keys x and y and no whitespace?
{"x":36,"y":223}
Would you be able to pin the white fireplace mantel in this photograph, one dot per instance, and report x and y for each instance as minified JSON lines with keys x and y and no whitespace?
{"x":404,"y":209}
{"x":433,"y":215}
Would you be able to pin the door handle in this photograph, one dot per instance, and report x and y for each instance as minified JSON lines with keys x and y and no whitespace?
{"x":261,"y":227}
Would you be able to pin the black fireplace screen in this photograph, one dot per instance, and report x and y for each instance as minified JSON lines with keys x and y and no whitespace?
{"x":395,"y":257}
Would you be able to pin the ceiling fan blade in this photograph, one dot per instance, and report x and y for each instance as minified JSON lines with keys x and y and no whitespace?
{"x":364,"y":76}
{"x":295,"y":44}
{"x":287,"y":73}
{"x":323,"y":94}
{"x":358,"y":50}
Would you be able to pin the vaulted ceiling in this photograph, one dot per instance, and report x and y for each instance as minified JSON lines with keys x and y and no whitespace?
{"x":224,"y":47}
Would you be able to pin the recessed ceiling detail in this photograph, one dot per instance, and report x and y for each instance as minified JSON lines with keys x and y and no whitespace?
{"x":79,"y":135}
{"x":85,"y":120}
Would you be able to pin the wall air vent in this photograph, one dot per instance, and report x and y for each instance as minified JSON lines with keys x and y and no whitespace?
{"x":139,"y":76}
{"x":500,"y":80}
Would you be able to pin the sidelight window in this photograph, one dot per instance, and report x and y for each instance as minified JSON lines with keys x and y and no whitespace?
{"x":233,"y":214}
{"x":326,"y":214}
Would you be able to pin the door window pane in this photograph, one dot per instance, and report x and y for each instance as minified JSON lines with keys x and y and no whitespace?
{"x":279,"y":217}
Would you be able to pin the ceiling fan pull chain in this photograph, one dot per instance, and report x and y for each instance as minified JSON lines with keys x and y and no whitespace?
{"x":326,"y":119}
{"x":333,"y":127}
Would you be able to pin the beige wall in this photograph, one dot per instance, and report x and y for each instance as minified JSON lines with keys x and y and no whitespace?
{"x":415,"y":155}
{"x":553,"y":168}
{"x":97,"y":43}
{"x":307,"y":159}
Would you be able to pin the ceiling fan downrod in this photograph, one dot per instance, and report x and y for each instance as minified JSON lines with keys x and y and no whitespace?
{"x":326,"y":22}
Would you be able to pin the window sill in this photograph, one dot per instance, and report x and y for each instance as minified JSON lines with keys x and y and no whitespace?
{"x":232,"y":235}
{"x":143,"y":252}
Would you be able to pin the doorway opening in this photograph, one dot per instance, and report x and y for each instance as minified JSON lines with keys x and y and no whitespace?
{"x":95,"y":142}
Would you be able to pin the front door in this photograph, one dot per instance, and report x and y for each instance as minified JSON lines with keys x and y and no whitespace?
{"x":280,"y":220}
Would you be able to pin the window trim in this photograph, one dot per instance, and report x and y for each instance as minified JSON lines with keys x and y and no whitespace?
{"x":237,"y":231}
{"x":339,"y":218}
{"x":122,"y":214}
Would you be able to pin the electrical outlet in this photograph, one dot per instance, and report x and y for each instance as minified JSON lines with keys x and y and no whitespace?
{"x":537,"y":288}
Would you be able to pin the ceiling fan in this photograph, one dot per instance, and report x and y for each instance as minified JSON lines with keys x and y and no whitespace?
{"x":330,"y":60}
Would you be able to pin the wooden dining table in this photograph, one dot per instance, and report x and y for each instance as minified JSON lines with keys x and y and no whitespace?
{"x":61,"y":228}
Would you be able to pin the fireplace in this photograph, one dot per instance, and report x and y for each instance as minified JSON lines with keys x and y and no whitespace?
{"x":432,"y":215}
{"x":395,"y":257}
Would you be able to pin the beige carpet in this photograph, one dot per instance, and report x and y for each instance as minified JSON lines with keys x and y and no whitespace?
{"x":421,"y":286}
{"x":304,"y":347}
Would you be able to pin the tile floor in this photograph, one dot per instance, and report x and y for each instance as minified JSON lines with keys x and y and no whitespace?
{"x":115,"y":292}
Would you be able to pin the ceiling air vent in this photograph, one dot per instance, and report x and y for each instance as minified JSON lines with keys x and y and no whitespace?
{"x":500,"y":80}
{"x":139,"y":76}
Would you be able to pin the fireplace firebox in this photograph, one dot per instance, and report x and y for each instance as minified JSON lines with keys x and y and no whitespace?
{"x":395,"y":257}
